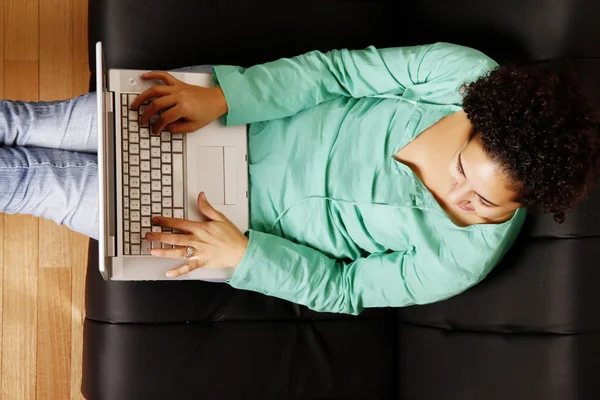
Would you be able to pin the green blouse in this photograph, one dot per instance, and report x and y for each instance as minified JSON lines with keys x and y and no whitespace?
{"x":336,"y":223}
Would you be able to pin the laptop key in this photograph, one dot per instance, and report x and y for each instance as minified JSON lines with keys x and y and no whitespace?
{"x":146,"y":247}
{"x":135,"y":238}
{"x":177,"y":146}
{"x":126,"y":249}
{"x":131,"y":98}
{"x":146,"y":199}
{"x":177,"y":180}
{"x":135,"y":249}
{"x":177,"y":213}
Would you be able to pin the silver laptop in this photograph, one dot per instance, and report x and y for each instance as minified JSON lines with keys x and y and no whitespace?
{"x":141,"y":175}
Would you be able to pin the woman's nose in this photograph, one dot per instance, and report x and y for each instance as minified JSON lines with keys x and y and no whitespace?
{"x":459,"y":193}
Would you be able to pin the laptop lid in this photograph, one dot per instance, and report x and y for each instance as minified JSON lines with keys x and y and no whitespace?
{"x":101,"y":119}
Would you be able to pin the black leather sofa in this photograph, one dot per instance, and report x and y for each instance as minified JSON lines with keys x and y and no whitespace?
{"x":530,"y":331}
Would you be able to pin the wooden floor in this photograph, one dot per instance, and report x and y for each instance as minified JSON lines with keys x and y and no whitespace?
{"x":43,"y":56}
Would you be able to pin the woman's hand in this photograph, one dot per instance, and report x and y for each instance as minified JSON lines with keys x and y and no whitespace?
{"x":185,"y":108}
{"x":217,"y":243}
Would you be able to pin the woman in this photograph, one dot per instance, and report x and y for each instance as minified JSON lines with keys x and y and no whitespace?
{"x":377,"y":177}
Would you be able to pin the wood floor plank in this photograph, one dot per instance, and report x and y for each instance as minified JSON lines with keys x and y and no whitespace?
{"x":19,"y":305}
{"x":53,"y":333}
{"x":2,"y":27}
{"x":19,"y":330}
{"x":79,"y":242}
{"x":56,"y":83}
{"x":78,"y":257}
{"x":81,"y":70}
{"x":21,"y":30}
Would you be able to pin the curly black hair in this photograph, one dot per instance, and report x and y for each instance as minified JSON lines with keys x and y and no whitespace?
{"x":538,"y":127}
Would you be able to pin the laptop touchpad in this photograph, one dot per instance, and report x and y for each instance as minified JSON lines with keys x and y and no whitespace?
{"x":210,"y":173}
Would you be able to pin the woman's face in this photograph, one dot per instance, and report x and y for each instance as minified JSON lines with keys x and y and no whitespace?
{"x":478,"y":185}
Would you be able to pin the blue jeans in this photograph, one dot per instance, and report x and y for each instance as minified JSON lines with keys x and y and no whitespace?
{"x":48,"y":163}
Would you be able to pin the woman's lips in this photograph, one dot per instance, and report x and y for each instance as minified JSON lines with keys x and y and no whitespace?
{"x":466,"y":208}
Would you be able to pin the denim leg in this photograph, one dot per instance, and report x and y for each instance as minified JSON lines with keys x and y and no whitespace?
{"x":51,"y":183}
{"x":48,"y":163}
{"x":66,"y":125}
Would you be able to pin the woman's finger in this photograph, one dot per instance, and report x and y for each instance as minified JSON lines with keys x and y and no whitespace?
{"x":170,"y":238}
{"x":178,"y":252}
{"x":176,"y":223}
{"x":167,"y":78}
{"x":184,"y":269}
{"x":160,"y":104}
{"x":154,"y":91}
{"x":181,"y":127}
{"x":167,"y":117}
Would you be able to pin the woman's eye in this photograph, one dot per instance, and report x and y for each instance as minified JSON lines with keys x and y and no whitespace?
{"x":483,"y":203}
{"x":459,"y":169}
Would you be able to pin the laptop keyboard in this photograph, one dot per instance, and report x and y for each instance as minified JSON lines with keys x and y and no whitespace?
{"x":152,"y":179}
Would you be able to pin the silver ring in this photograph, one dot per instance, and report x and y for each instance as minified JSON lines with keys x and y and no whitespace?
{"x":189,"y":252}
